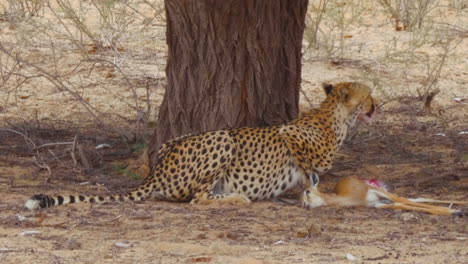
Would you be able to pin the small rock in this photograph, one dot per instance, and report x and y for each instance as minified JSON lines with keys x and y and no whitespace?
{"x":72,"y":244}
{"x":351,"y":257}
{"x":124,"y":244}
{"x":232,"y":235}
{"x":101,"y":146}
{"x":407,"y":216}
{"x":201,"y":259}
{"x":279,"y":242}
{"x":21,"y":218}
{"x":29,"y":233}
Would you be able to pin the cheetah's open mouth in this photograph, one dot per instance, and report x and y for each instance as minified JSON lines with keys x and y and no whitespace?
{"x":367,"y":117}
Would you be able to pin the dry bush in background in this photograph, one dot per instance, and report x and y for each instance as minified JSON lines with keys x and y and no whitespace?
{"x":19,"y":10}
{"x":327,"y":23}
{"x":416,"y":54}
{"x":102,"y":32}
{"x":408,"y":14}
{"x":314,"y":18}
{"x":411,"y":63}
{"x":458,"y":4}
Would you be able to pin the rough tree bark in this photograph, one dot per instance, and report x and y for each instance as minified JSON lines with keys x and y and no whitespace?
{"x":231,"y":63}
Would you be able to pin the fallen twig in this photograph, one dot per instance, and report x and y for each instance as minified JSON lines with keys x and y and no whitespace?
{"x":26,"y":138}
{"x":52,"y":144}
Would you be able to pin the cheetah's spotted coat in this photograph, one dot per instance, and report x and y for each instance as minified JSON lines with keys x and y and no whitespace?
{"x":246,"y":164}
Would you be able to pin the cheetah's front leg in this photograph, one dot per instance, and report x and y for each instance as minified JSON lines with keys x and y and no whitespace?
{"x":228,"y":198}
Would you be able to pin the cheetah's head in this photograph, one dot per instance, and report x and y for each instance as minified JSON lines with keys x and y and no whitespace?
{"x":355,"y":97}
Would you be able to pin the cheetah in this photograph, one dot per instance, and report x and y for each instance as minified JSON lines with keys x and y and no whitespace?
{"x":246,"y":164}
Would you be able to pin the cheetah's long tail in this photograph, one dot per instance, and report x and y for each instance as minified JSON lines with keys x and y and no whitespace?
{"x":144,"y":191}
{"x":40,"y":201}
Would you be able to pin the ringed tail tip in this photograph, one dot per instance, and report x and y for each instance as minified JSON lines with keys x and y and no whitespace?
{"x":37,"y":201}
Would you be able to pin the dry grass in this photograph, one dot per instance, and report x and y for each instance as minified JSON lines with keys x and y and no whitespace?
{"x":408,"y":14}
{"x":414,"y":56}
{"x":95,"y":39}
{"x":20,"y":10}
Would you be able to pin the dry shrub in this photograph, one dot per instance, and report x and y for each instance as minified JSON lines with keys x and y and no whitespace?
{"x":19,"y":10}
{"x":408,"y":14}
{"x":414,"y":58}
{"x":100,"y":31}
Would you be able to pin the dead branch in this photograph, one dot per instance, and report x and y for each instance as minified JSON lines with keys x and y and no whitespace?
{"x":428,"y":100}
{"x":26,"y":138}
{"x":42,"y":165}
{"x":52,"y":144}
{"x":72,"y":151}
{"x":84,"y":160}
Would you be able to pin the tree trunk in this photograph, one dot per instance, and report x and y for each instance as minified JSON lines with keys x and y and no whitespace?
{"x":231,"y":63}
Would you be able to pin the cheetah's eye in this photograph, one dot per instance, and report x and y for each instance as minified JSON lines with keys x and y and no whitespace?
{"x":307,"y":192}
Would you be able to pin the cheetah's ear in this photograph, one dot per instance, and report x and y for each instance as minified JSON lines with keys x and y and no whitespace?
{"x":344,"y":93}
{"x":327,"y":88}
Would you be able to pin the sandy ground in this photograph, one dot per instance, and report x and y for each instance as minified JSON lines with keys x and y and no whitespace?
{"x":418,"y":152}
{"x":263,"y":232}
